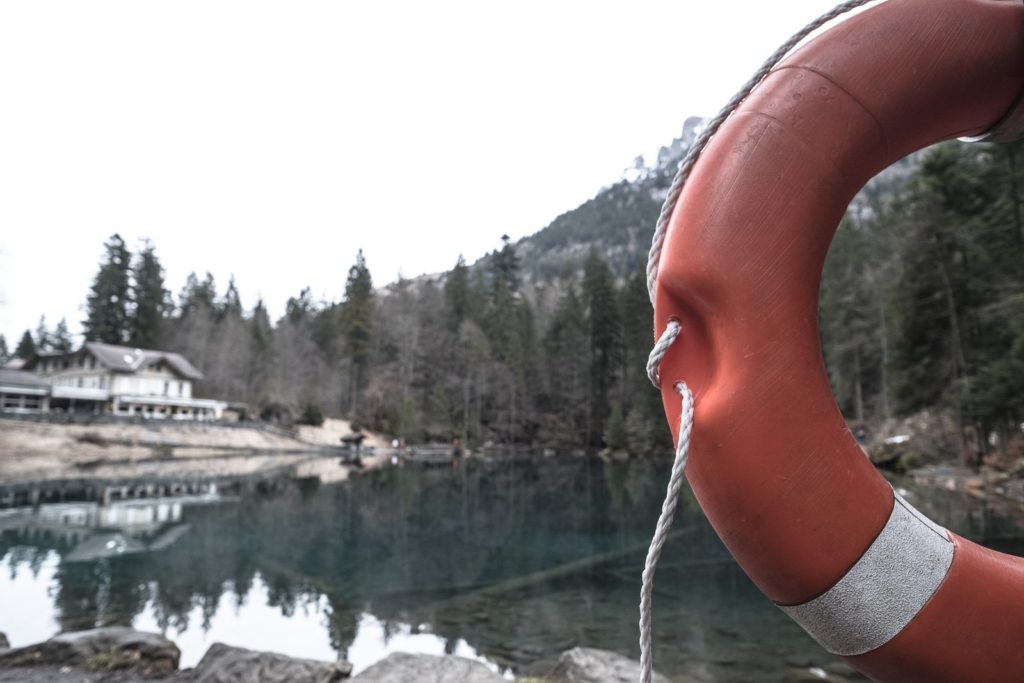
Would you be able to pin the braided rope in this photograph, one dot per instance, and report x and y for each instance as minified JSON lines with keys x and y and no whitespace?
{"x":668,"y":511}
{"x":673,"y":328}
{"x":661,"y":347}
{"x":661,"y":228}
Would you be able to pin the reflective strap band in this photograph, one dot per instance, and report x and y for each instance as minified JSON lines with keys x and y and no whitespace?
{"x":884,"y":590}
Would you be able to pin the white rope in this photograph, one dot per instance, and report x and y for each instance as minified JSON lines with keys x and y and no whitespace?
{"x":668,"y":511}
{"x":661,"y":347}
{"x":673,"y":327}
{"x":661,"y":228}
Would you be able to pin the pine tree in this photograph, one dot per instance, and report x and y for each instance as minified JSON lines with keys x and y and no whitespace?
{"x":637,"y":336}
{"x":299,"y":310}
{"x":502,"y":311}
{"x":641,"y":403}
{"x":504,"y":327}
{"x":356,"y":319}
{"x":505,"y":267}
{"x":107,"y":303}
{"x":26,"y":346}
{"x":151,"y":300}
{"x":456,"y":293}
{"x":260,"y":357}
{"x":567,"y":349}
{"x":605,"y":340}
{"x":44,"y":341}
{"x":230,"y":305}
{"x":4,"y":351}
{"x":848,"y":321}
{"x":61,"y":338}
{"x":197,"y":295}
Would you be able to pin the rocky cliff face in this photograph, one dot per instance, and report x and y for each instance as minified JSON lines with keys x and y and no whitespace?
{"x":618,"y":221}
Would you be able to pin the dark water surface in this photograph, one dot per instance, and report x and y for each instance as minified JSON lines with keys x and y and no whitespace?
{"x":510,"y":563}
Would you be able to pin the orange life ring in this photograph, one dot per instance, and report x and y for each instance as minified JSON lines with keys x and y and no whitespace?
{"x":773,"y":464}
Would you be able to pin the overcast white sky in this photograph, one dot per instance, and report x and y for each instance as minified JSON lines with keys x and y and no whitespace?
{"x":273,"y":140}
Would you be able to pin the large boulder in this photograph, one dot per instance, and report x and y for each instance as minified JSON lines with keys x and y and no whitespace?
{"x":226,"y":664}
{"x":589,"y":665}
{"x":400,"y":667}
{"x":100,"y":649}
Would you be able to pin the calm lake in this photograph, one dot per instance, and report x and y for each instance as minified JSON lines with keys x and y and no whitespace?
{"x":510,"y":564}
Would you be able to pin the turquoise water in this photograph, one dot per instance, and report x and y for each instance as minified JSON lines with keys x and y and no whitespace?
{"x":510,"y":564}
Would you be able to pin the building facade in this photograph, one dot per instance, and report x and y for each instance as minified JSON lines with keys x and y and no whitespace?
{"x":118,"y":380}
{"x":23,"y":392}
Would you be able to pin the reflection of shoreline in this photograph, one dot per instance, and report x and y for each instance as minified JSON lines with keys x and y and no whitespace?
{"x":91,"y":530}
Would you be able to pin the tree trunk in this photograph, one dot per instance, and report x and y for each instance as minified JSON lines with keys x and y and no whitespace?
{"x":884,"y":333}
{"x":959,"y":359}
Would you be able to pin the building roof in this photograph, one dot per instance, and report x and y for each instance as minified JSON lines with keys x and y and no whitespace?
{"x":20,"y":378}
{"x":129,"y":359}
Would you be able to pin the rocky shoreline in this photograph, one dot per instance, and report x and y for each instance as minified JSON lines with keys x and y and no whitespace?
{"x":123,"y":655}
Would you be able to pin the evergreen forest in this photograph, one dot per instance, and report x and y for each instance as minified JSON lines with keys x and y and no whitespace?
{"x":543,"y":342}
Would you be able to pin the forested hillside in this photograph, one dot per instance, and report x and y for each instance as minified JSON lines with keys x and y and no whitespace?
{"x":543,"y":341}
{"x":922,"y":302}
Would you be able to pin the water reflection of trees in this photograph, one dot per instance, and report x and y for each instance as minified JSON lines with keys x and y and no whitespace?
{"x":403,"y":544}
{"x":494,"y":555}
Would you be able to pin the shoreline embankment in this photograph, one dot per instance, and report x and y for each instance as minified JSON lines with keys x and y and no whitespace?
{"x":35,"y":450}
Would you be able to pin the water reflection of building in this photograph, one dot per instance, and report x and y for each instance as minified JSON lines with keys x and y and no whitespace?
{"x":90,"y":530}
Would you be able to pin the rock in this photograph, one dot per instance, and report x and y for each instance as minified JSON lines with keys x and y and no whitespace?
{"x":4,"y":643}
{"x":100,"y":649}
{"x":226,"y":664}
{"x":400,"y":667}
{"x":589,"y":665}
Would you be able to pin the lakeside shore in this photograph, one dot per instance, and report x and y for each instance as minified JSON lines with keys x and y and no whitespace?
{"x":36,"y":451}
{"x":390,"y":508}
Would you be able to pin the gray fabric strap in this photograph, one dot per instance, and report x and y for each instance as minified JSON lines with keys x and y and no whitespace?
{"x":884,"y":590}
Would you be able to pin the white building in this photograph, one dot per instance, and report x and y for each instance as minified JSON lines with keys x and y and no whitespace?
{"x":120,"y":380}
{"x":23,"y":392}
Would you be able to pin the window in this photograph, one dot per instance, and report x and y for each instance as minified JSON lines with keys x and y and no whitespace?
{"x":167,"y":388}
